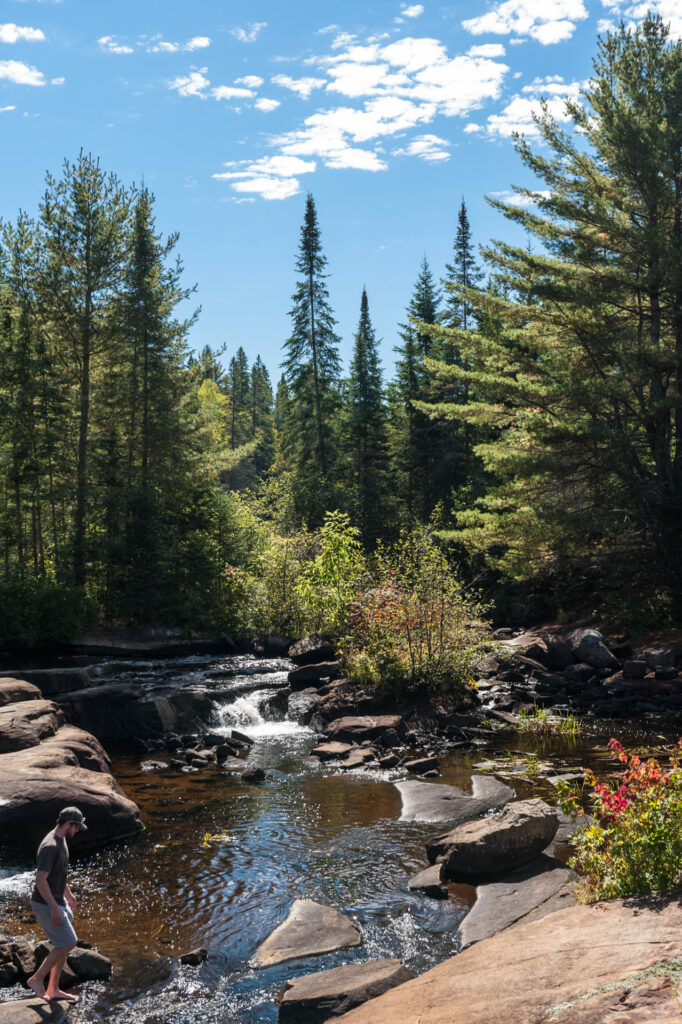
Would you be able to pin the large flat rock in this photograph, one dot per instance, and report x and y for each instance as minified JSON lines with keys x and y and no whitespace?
{"x":14,"y":690}
{"x":34,"y":1011}
{"x":493,"y":846}
{"x":70,"y":746}
{"x":355,"y":729}
{"x":309,"y":929}
{"x":27,"y":723}
{"x":314,"y":998}
{"x":544,"y":883}
{"x":429,"y":801}
{"x":650,"y":1001}
{"x":518,"y":976}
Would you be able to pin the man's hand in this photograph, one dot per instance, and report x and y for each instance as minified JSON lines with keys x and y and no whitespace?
{"x":56,"y":916}
{"x":71,"y":900}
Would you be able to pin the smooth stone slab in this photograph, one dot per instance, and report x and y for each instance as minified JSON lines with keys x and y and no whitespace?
{"x":331,"y":751}
{"x":428,"y":801}
{"x":315,"y":998}
{"x":501,"y":904}
{"x":429,"y":882}
{"x":355,"y":729}
{"x":309,"y":929}
{"x":34,"y":1011}
{"x":651,"y":1001}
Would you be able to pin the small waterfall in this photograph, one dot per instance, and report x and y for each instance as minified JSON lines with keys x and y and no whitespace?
{"x":246,"y":714}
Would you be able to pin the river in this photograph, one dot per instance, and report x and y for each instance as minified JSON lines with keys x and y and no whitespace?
{"x":221,"y":861}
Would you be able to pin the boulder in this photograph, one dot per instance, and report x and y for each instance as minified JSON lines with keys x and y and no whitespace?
{"x":429,"y":882}
{"x":307,"y":675}
{"x":520,"y":975}
{"x":276,"y":645}
{"x":424,"y":801}
{"x":34,"y":1011}
{"x":241,"y":737}
{"x":660,"y":657}
{"x":311,"y":650}
{"x":116,"y":711}
{"x":12,"y":691}
{"x":300,"y":706}
{"x":89,"y":964}
{"x":355,"y":730}
{"x":253,"y":773}
{"x":26,"y":724}
{"x":356,"y":759}
{"x":194,"y":957}
{"x":588,"y":646}
{"x":315,"y":998}
{"x":31,"y":798}
{"x":544,"y":884}
{"x":559,"y":654}
{"x":494,"y":846}
{"x":331,"y":751}
{"x":341,"y":698}
{"x":69,"y":746}
{"x":309,"y":929}
{"x":389,"y":761}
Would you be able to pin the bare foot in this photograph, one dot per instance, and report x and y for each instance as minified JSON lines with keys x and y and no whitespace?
{"x":59,"y":994}
{"x":37,"y":986}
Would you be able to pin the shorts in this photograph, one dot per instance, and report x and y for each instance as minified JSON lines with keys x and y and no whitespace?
{"x":61,"y":935}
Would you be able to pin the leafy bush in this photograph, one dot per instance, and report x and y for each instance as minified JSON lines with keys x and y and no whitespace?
{"x":414,"y":627}
{"x":35,"y":611}
{"x":634,"y":846}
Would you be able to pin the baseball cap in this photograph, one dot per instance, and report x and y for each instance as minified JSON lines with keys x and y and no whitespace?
{"x":73,"y":815}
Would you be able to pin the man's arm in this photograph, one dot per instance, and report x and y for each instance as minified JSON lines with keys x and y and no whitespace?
{"x":70,"y":898}
{"x":44,"y":889}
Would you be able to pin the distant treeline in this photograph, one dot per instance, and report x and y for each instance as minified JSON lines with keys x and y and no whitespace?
{"x":534,"y":417}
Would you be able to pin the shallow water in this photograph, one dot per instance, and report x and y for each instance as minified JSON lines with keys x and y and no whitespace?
{"x":221,"y":861}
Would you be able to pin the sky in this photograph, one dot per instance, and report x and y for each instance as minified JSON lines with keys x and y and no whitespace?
{"x":389,"y":113}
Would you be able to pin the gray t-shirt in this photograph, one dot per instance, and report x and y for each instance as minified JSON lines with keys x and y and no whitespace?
{"x":53,"y":857}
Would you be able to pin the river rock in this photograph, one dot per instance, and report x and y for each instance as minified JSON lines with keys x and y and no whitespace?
{"x":34,"y":1011}
{"x":331,"y":751}
{"x":518,"y":976}
{"x":496,"y":845}
{"x":194,"y":957}
{"x":356,"y":759}
{"x":429,"y":882}
{"x":12,"y":691}
{"x":365,"y":727}
{"x":424,"y":801}
{"x":232,"y":765}
{"x":117,"y":711}
{"x":389,"y":761}
{"x":300,"y":705}
{"x":31,"y":798}
{"x":89,"y":964}
{"x":309,"y":929}
{"x":559,"y":653}
{"x":589,"y":646}
{"x":545,"y":883}
{"x":421,"y":765}
{"x":660,"y":657}
{"x":26,"y":724}
{"x":253,"y":773}
{"x":311,"y":650}
{"x":307,"y":675}
{"x":241,"y":737}
{"x":69,"y":746}
{"x":315,"y":998}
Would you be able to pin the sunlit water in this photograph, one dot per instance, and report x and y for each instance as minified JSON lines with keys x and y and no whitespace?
{"x":221,"y":862}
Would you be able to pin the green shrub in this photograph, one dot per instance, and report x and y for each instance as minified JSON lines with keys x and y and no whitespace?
{"x":35,"y":611}
{"x":634,"y":846}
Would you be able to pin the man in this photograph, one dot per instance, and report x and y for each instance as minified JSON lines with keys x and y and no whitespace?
{"x":53,"y":903}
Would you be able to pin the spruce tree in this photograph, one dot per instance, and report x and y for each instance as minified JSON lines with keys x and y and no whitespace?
{"x":311,"y":370}
{"x":262,"y":425}
{"x":462,"y":274}
{"x":365,"y":431}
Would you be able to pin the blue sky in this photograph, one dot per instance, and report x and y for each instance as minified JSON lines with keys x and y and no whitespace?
{"x":388,"y":112}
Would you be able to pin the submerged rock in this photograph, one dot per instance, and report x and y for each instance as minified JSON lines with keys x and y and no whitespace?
{"x":424,"y":801}
{"x":493,"y":846}
{"x":309,"y":929}
{"x":314,"y":998}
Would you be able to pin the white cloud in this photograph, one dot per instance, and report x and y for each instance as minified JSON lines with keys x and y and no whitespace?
{"x":269,"y":188}
{"x":669,"y":10}
{"x":426,"y":147}
{"x":342,"y":39}
{"x":473,"y":127}
{"x":273,"y":177}
{"x":606,"y":25}
{"x":197,"y":43}
{"x":250,"y":33}
{"x":250,"y":81}
{"x":10,"y":33}
{"x":20,"y":73}
{"x":231,"y":92}
{"x":110,"y":45}
{"x":413,"y":11}
{"x":327,"y":29}
{"x":517,"y":116}
{"x":159,"y":45}
{"x":266,"y":105}
{"x":301,"y":86}
{"x":192,"y":84}
{"x":57,"y":81}
{"x":487,"y":50}
{"x":4,"y":110}
{"x":516,"y":199}
{"x":547,"y":21}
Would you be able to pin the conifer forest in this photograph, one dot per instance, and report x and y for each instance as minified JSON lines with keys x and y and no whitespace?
{"x":529,"y":434}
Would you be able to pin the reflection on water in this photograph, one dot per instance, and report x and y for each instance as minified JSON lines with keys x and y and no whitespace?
{"x":221,"y":861}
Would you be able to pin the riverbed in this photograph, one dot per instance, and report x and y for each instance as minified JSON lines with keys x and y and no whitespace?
{"x":221,"y":861}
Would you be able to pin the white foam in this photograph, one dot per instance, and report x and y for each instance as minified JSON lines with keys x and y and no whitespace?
{"x":16,"y":883}
{"x":245,"y":714}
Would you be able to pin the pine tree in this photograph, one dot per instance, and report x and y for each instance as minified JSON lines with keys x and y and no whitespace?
{"x":462,"y":274}
{"x":262,"y":425}
{"x":578,"y":372}
{"x":365,"y":432}
{"x":311,"y":369}
{"x":412,"y":431}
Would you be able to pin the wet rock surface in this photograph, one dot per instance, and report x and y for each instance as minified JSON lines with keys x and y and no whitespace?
{"x":316,"y":998}
{"x":309,"y":929}
{"x":425,"y":801}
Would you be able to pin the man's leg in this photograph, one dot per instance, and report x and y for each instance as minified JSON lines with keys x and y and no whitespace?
{"x":53,"y":965}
